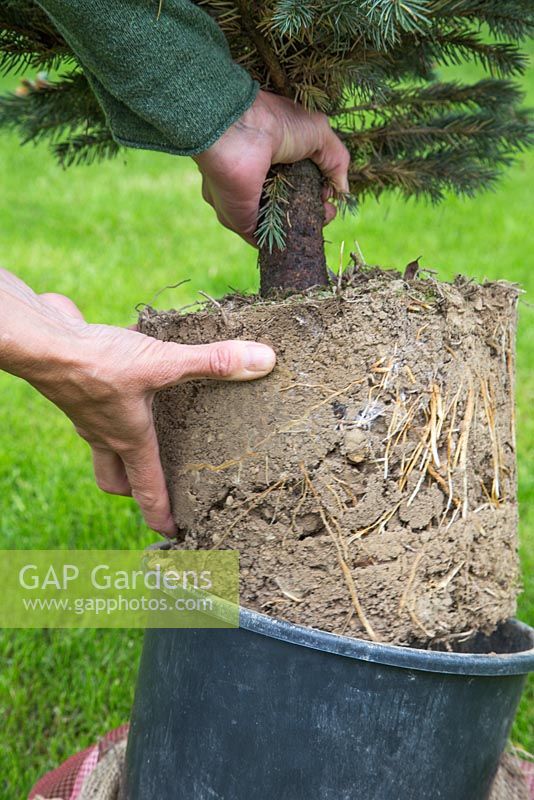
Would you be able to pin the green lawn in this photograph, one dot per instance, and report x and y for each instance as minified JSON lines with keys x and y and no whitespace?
{"x":110,"y":237}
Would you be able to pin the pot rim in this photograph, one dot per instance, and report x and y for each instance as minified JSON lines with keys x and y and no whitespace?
{"x":518,"y":662}
{"x":513,"y":663}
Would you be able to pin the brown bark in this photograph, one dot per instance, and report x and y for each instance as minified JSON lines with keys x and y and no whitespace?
{"x":302,"y":263}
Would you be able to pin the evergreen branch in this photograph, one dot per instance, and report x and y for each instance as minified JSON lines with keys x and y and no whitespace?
{"x":370,"y":64}
{"x":428,"y":176}
{"x":490,"y":94}
{"x":341,"y":22}
{"x":273,"y":213}
{"x":86,"y":148}
{"x":28,"y":38}
{"x":482,"y":134}
{"x":452,"y":48}
{"x":392,"y":17}
{"x":66,"y":113}
{"x":513,"y":19}
{"x":43,"y":109}
{"x":265,"y":51}
{"x":346,"y":203}
{"x":291,"y":17}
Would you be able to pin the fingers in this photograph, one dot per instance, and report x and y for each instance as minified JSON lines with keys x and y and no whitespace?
{"x":145,"y":475}
{"x":172,"y":363}
{"x":133,"y":469}
{"x":240,"y":209}
{"x":236,"y":204}
{"x":332,"y":157}
{"x":274,"y":130}
{"x":206,"y":191}
{"x":330,"y":212}
{"x":308,"y":135}
{"x":244,"y":223}
{"x":110,"y":473}
{"x":230,"y":360}
{"x":111,"y":405}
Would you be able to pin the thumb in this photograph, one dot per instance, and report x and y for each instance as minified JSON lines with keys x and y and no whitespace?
{"x":230,"y":361}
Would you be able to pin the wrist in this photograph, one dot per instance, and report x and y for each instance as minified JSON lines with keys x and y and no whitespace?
{"x":258,"y":127}
{"x":37,"y":342}
{"x":262,"y":116}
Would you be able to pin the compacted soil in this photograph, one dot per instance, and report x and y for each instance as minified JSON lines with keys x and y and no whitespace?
{"x":369,"y":483}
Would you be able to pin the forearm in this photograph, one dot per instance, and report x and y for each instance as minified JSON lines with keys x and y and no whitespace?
{"x":166,"y":83}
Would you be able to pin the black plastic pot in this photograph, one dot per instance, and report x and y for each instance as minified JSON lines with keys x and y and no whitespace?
{"x":274,"y":711}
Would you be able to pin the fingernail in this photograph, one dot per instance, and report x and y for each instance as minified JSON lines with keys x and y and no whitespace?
{"x":259,"y":358}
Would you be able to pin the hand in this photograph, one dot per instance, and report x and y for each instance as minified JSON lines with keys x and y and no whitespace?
{"x":105,"y":378}
{"x":274,"y":130}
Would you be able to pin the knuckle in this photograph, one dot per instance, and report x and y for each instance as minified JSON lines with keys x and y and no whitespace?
{"x":150,"y":502}
{"x":123,"y":448}
{"x":221,"y":361}
{"x":320,"y":118}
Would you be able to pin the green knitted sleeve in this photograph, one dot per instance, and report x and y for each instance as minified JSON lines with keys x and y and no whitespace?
{"x":166,"y":83}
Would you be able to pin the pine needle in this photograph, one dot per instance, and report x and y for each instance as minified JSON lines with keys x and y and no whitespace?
{"x":272,"y":218}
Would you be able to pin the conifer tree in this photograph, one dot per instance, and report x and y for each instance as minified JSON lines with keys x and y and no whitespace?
{"x":371,"y":65}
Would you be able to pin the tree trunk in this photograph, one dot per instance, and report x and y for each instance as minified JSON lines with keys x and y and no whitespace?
{"x":302,"y":263}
